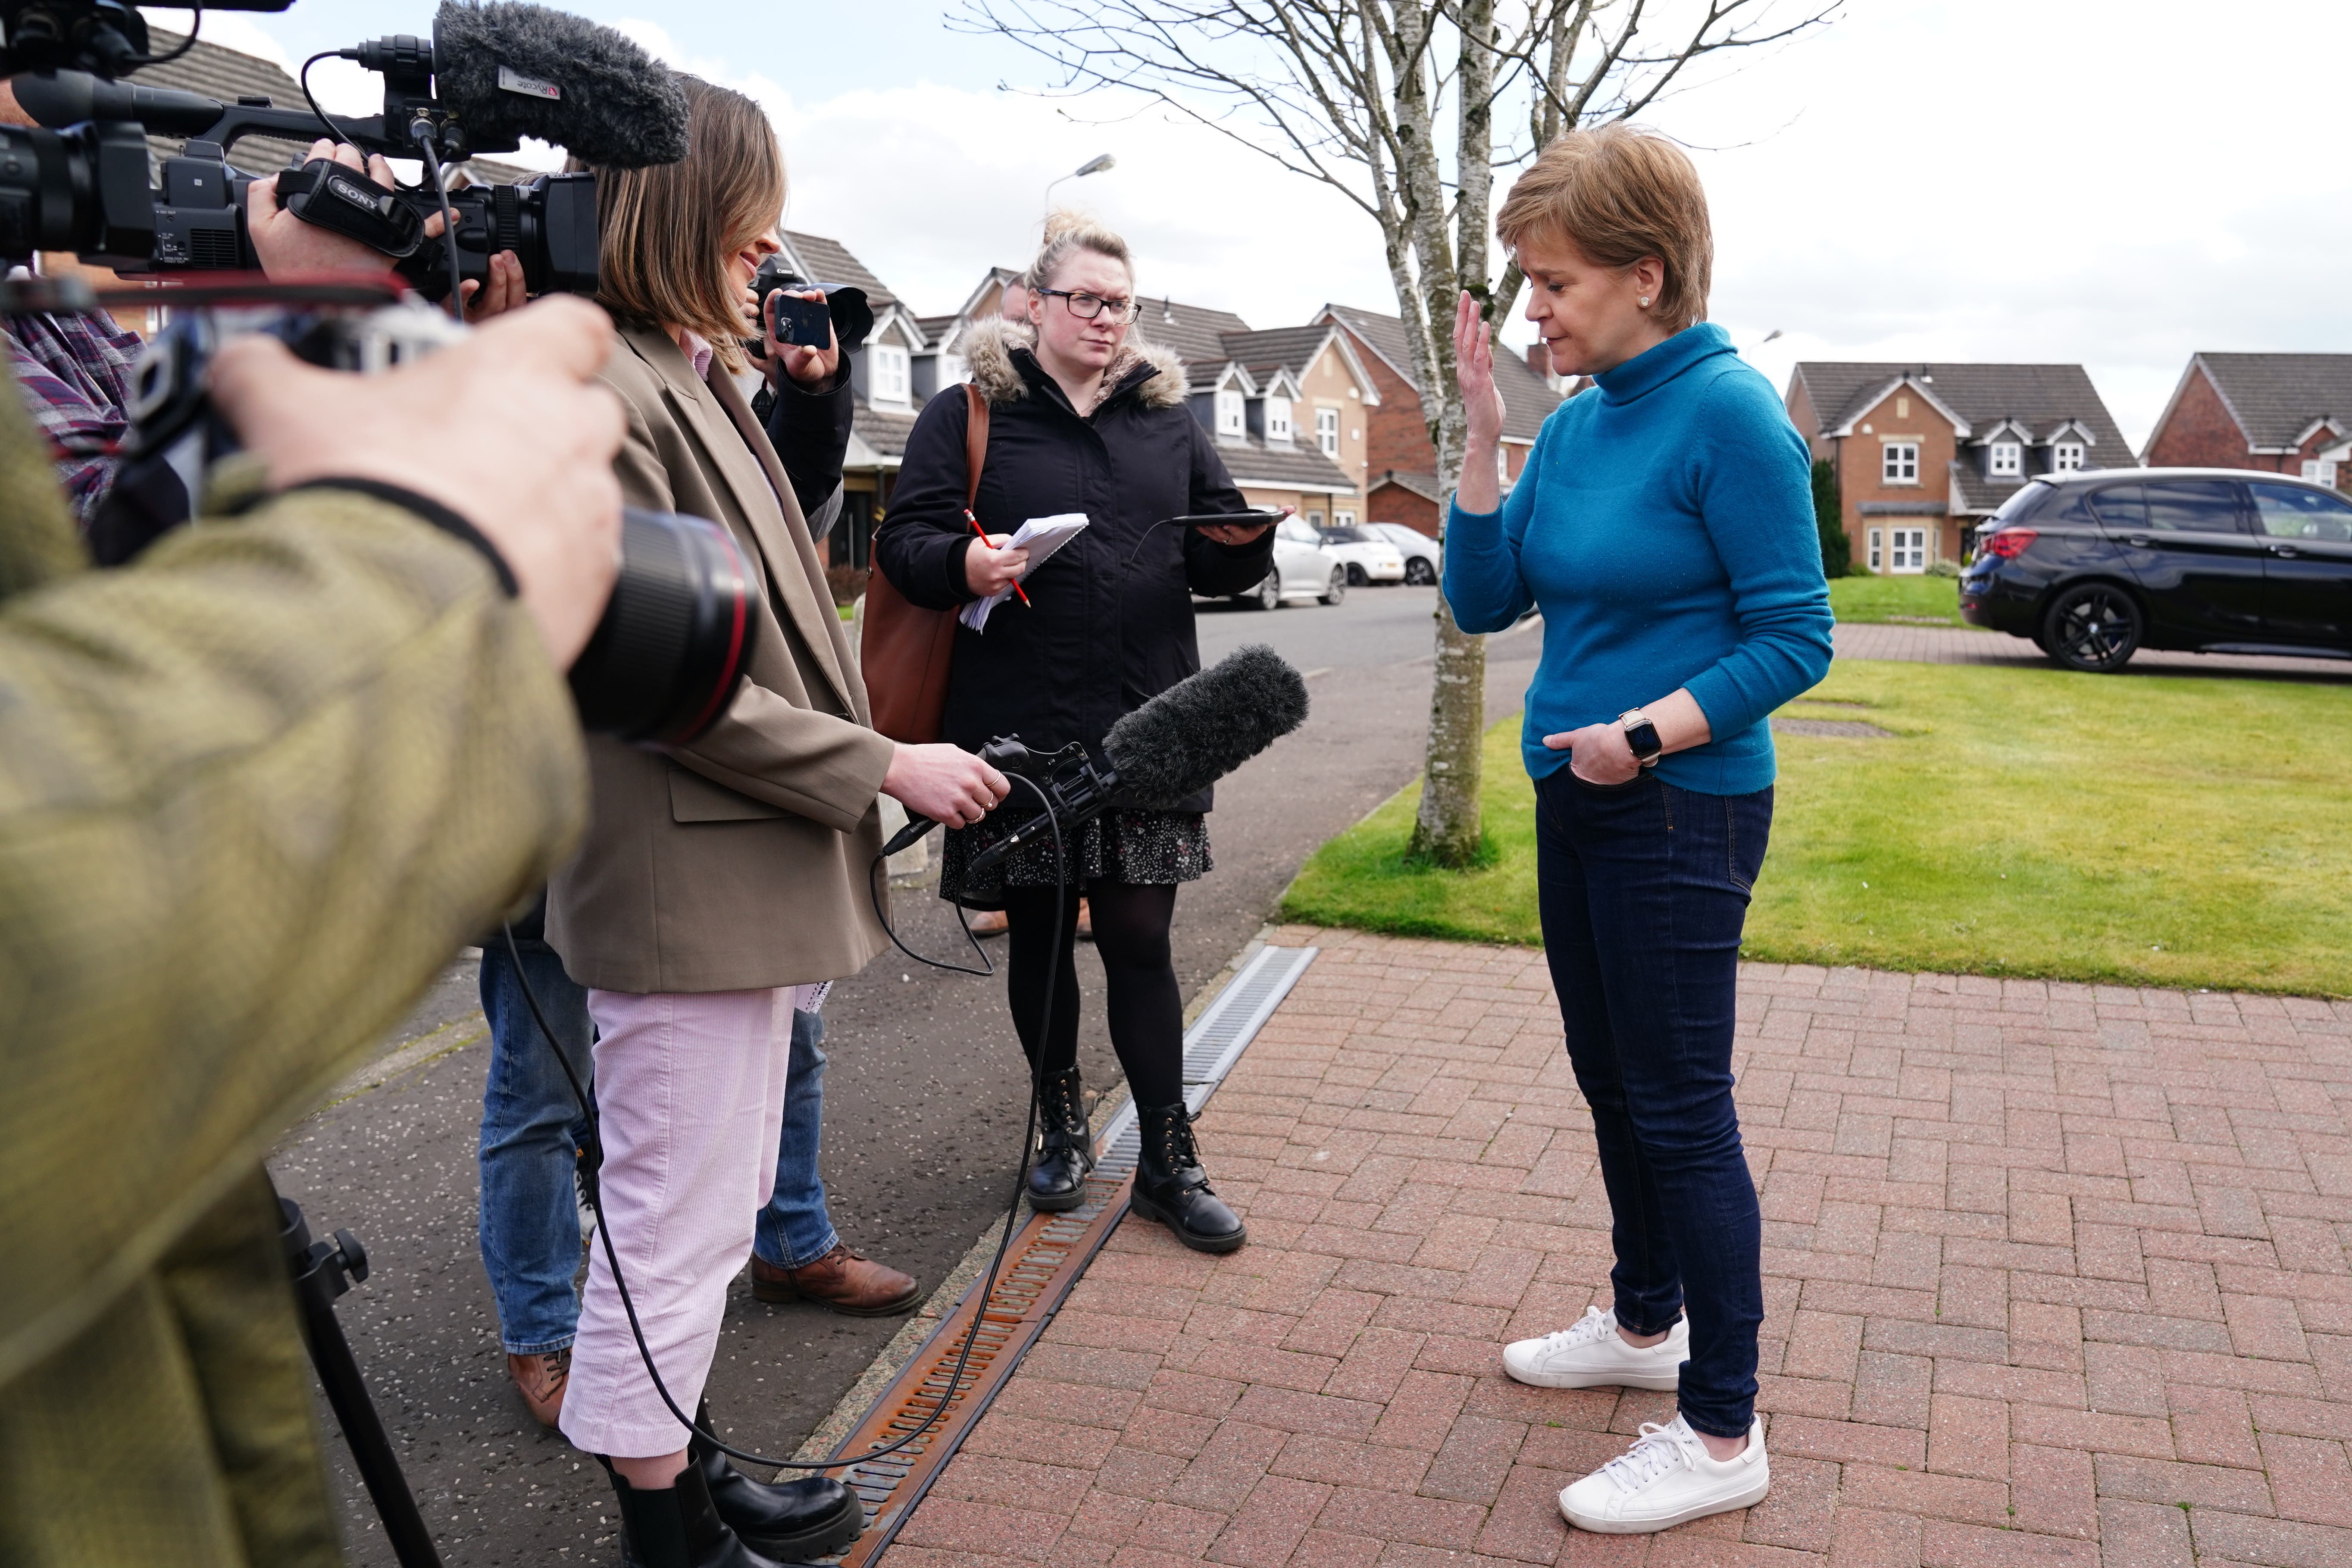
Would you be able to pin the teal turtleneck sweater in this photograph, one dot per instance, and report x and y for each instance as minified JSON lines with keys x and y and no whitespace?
{"x":1663,"y":524}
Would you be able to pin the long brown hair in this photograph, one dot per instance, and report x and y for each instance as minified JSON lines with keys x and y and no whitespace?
{"x":667,"y":232}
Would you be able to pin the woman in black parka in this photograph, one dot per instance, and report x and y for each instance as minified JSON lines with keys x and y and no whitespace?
{"x":1083,"y":417}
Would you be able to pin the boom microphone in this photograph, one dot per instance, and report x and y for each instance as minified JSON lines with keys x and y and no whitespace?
{"x":1171,"y":748}
{"x":1204,"y":726}
{"x":506,"y":70}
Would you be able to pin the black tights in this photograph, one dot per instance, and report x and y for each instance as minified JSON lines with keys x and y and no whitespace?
{"x":1145,"y":1011}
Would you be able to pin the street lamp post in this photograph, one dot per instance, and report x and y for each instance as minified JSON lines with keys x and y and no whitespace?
{"x":1091,"y":166}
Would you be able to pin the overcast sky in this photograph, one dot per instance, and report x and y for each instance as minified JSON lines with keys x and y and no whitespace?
{"x":2117,"y":183}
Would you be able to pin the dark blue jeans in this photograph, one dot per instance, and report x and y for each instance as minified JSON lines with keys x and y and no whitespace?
{"x":1644,"y":889}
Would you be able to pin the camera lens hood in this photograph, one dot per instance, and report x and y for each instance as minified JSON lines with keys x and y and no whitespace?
{"x":676,"y":635}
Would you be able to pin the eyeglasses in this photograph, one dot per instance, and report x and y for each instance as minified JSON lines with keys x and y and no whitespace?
{"x":1086,"y":307}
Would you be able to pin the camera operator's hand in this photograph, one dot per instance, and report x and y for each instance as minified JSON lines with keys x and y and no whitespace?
{"x":990,"y":568}
{"x":505,"y":291}
{"x":946,"y":783}
{"x":523,"y":389}
{"x":284,"y":243}
{"x":809,"y":366}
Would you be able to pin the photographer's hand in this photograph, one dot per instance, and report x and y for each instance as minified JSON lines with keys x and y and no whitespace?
{"x":523,"y":388}
{"x":286,"y":244}
{"x":946,"y":783}
{"x":505,"y":291}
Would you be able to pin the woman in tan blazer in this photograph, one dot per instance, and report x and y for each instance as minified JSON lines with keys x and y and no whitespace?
{"x":716,"y":879}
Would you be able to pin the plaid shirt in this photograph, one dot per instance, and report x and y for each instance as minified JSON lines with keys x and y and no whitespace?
{"x":75,"y":373}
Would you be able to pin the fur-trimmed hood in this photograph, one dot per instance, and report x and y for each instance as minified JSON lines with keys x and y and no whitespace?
{"x":988,"y":349}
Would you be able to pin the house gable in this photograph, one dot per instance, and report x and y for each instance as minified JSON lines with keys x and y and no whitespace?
{"x":2198,"y":429}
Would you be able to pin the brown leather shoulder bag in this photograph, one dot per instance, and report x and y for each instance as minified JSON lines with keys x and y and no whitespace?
{"x":905,"y":651}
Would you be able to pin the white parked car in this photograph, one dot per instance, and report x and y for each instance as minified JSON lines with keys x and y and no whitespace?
{"x":1421,"y":552}
{"x":1304,"y":568}
{"x":1368,"y":557}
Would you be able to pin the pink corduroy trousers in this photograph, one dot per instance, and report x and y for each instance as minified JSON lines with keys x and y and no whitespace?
{"x":691,"y":1097}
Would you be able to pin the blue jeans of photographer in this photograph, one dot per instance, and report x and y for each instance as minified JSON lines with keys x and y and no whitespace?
{"x":1642,"y":889}
{"x":531,"y":1125}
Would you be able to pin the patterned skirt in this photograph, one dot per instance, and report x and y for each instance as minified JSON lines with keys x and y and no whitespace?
{"x":1144,"y":847}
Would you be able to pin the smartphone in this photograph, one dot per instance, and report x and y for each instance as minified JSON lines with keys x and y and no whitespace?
{"x":805,"y":324}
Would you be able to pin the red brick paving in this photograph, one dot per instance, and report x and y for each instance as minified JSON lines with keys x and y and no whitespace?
{"x":2056,"y":1275}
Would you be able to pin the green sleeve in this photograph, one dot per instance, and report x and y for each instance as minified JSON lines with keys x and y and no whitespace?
{"x":255,"y":790}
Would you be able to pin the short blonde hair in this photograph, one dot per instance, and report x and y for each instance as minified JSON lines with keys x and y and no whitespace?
{"x":667,"y":232}
{"x":1617,"y":195}
{"x":1069,"y":231}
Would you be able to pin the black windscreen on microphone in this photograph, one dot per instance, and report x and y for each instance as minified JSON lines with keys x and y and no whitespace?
{"x":509,"y":71}
{"x":1206,"y":726}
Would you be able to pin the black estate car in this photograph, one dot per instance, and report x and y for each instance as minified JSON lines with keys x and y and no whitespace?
{"x":2098,"y":564}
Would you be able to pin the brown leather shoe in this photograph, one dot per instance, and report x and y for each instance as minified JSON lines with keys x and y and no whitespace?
{"x":541,"y":1380}
{"x":843,"y":1281}
{"x":989,"y":923}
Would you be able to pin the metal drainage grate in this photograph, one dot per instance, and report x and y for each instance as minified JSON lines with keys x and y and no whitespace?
{"x":1048,"y":1255}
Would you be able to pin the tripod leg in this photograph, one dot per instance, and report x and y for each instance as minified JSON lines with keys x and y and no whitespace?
{"x":317,"y":1280}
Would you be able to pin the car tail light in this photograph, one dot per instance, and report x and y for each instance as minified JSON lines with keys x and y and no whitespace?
{"x":2010,"y":543}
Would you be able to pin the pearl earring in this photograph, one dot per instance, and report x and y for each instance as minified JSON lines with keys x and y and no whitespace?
{"x":1644,"y":301}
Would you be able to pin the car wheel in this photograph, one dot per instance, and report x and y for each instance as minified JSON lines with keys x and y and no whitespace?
{"x":1267,"y":595}
{"x":1356,"y":578}
{"x":1420,"y":573}
{"x":1338,"y":590}
{"x":2093,"y":628}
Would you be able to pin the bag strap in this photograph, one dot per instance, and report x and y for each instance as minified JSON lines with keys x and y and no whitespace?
{"x":975,"y":441}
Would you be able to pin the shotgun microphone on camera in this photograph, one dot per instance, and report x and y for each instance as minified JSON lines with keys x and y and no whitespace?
{"x":506,"y":70}
{"x":1169,"y":750}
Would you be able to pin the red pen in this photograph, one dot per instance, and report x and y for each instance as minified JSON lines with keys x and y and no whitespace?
{"x":983,"y":539}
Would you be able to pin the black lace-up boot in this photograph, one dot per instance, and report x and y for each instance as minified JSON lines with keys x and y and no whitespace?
{"x":811,"y":1515}
{"x":1171,"y":1187}
{"x":678,"y":1526}
{"x":1065,"y":1147}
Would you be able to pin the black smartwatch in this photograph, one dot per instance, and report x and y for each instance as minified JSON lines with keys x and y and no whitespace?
{"x":1642,"y":736}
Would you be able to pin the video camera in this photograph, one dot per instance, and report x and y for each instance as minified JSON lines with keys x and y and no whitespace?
{"x":489,"y":77}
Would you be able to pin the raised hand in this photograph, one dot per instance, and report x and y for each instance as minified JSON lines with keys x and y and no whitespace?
{"x":1473,"y":370}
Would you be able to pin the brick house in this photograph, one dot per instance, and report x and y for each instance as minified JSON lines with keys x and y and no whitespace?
{"x":1401,"y":463}
{"x":2282,"y":414}
{"x":1925,"y":452}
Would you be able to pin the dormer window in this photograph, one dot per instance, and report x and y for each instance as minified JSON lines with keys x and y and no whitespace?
{"x":2065,"y":457}
{"x":890,"y":378}
{"x":2008,"y":460}
{"x":1232,"y":415}
{"x":1278,"y":420}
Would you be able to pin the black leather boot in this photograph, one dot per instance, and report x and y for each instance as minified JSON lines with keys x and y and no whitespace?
{"x":1065,"y":1150}
{"x":678,"y":1526}
{"x":1171,"y":1187}
{"x":809,"y":1516}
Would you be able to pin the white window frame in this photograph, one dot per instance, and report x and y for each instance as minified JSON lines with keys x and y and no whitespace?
{"x":892,"y":377}
{"x":2319,"y":471}
{"x":1233,"y":419}
{"x":1327,"y":431}
{"x":1344,"y":518}
{"x":2066,"y":457}
{"x":1277,"y":419}
{"x":954,"y":371}
{"x":2008,"y":460}
{"x":1315,"y":522}
{"x":1906,"y":552}
{"x":1877,"y":549}
{"x":1898,"y":463}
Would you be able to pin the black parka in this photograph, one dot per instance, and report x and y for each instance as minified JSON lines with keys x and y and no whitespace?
{"x":1109,"y":622}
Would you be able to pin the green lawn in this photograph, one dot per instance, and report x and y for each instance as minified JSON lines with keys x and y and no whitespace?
{"x":2168,"y":831}
{"x":1907,"y":601}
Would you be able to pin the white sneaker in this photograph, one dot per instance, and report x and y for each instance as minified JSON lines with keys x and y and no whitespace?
{"x":1665,"y":1479}
{"x":1592,"y":1354}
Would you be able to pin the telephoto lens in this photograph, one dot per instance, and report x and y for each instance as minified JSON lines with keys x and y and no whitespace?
{"x":676,"y":637}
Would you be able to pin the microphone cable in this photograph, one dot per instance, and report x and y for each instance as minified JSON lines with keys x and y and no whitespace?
{"x":592,"y":1157}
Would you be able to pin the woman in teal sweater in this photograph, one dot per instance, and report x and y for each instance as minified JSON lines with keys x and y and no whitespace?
{"x":1664,"y":525}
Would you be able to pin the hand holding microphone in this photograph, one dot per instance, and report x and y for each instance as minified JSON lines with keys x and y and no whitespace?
{"x":940,"y":784}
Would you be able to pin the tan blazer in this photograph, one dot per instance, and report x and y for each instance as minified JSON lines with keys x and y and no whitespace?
{"x":740,"y":862}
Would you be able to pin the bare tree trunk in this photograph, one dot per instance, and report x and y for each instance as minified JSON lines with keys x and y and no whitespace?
{"x":1449,"y":828}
